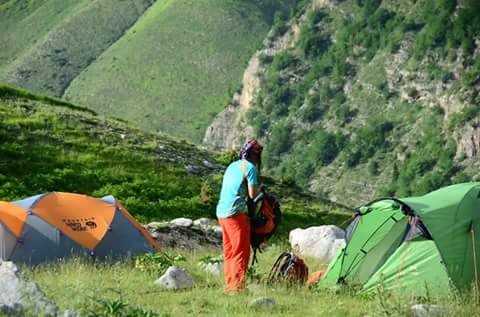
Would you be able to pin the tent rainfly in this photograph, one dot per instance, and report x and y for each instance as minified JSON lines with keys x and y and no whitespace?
{"x":57,"y":225}
{"x":415,"y":246}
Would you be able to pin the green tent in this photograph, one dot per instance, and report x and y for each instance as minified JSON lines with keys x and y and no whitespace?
{"x":414,"y":245}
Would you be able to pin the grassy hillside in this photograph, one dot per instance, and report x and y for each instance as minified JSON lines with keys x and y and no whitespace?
{"x":17,"y":19}
{"x":178,"y":66}
{"x":173,"y":70}
{"x":48,"y":59}
{"x":49,"y":145}
{"x":374,"y":98}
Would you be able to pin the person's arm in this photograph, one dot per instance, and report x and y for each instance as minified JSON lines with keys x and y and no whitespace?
{"x":254,"y":188}
{"x":254,"y":191}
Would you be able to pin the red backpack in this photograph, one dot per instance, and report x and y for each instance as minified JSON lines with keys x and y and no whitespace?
{"x":264,"y":222}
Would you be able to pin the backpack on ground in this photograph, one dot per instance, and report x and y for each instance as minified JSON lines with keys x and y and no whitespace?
{"x":290,"y":268}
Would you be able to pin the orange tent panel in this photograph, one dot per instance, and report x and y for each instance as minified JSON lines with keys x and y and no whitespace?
{"x":13,"y":217}
{"x":83,"y":219}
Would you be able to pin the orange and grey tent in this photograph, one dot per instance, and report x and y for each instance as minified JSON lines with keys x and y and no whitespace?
{"x":57,"y":225}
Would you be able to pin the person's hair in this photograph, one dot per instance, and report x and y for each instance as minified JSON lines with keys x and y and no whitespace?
{"x":251,"y":150}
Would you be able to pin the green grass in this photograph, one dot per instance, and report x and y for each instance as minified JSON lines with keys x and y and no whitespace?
{"x":179,"y":65}
{"x":66,"y":46}
{"x":78,"y":284}
{"x":18,"y":17}
{"x":47,"y":145}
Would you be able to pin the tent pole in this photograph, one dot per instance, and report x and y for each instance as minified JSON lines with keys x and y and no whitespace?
{"x":475,"y":265}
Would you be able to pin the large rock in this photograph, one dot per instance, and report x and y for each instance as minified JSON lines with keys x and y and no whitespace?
{"x":17,"y":296}
{"x":182,"y":222}
{"x":175,"y":278}
{"x":321,"y":242}
{"x":187,"y":238}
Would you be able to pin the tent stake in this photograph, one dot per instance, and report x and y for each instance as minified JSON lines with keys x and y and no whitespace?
{"x":475,"y":265}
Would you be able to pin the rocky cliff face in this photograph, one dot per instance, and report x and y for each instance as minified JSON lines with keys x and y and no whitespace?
{"x":360,"y":99}
{"x":230,"y":128}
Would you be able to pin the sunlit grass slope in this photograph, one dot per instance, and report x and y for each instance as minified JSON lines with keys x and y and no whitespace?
{"x":48,"y":43}
{"x":50,"y":145}
{"x":178,"y":65}
{"x":23,"y":23}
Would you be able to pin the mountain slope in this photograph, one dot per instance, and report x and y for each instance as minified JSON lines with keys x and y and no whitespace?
{"x":370,"y":98}
{"x":50,"y":63}
{"x":49,"y":145}
{"x":176,"y":68}
{"x":169,"y":65}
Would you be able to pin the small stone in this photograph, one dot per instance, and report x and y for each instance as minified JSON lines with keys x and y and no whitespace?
{"x":215,"y":268}
{"x":422,"y":310}
{"x":154,"y":225}
{"x":192,"y":169}
{"x":202,"y":223}
{"x":69,"y":313}
{"x":175,"y":278}
{"x":262,"y":302}
{"x":182,"y":222}
{"x":208,"y":164}
{"x":154,"y":235}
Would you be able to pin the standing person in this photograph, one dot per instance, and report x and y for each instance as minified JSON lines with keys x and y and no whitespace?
{"x":232,"y":213}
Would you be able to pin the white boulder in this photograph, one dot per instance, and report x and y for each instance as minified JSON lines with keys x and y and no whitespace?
{"x":10,"y":286}
{"x":321,"y":242}
{"x":175,"y":278}
{"x":182,"y":222}
{"x":18,"y":296}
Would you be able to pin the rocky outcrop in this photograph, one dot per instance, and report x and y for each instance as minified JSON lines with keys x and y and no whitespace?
{"x":468,"y":141}
{"x":230,"y":128}
{"x":187,"y":234}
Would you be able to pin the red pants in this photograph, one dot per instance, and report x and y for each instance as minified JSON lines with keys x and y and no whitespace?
{"x":236,"y":248}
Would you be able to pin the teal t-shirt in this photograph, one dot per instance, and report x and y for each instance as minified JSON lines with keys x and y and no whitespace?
{"x":232,"y":196}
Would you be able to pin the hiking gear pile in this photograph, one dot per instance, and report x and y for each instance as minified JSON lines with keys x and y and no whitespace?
{"x":290,"y":268}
